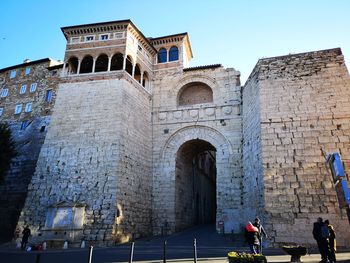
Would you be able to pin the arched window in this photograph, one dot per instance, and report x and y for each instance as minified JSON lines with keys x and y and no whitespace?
{"x":73,"y":65}
{"x":195,"y":93}
{"x":137,"y":73}
{"x":162,"y":55}
{"x":86,"y":65}
{"x":101,"y":63}
{"x":173,"y":54}
{"x":117,"y":62}
{"x":129,"y":65}
{"x":145,"y":79}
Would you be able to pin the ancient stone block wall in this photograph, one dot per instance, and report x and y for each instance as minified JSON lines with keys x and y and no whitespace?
{"x":252,"y":184}
{"x":218,"y":123}
{"x":184,"y":214}
{"x":28,"y":131}
{"x":304,"y":114}
{"x":90,"y":158}
{"x":134,"y":188}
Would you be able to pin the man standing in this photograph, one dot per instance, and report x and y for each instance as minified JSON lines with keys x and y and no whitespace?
{"x":322,"y":242}
{"x":26,"y":235}
{"x":261,"y":231}
{"x":332,"y":242}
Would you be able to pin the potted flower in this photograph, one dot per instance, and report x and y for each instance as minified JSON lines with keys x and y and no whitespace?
{"x":295,"y":251}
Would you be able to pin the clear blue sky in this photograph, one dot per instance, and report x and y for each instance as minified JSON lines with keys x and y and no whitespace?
{"x":235,"y":33}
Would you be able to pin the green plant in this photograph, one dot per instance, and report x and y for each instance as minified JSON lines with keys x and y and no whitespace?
{"x":7,"y":149}
{"x":237,"y":257}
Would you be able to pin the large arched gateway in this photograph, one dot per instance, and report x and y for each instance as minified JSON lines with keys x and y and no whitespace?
{"x":194,"y":179}
{"x":195,"y":184}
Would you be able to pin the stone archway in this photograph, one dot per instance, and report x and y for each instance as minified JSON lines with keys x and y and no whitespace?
{"x":164,"y":202}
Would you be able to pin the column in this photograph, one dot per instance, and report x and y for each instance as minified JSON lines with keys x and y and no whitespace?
{"x":124,"y":62}
{"x":64,"y":73}
{"x":141,"y":81}
{"x":133,"y":70}
{"x":93,"y":65}
{"x":78,"y":70}
{"x":109,"y":63}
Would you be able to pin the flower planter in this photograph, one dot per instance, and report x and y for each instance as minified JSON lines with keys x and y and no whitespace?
{"x":237,"y":257}
{"x":296,"y":252}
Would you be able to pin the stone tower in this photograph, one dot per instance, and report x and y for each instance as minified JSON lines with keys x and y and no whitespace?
{"x":93,"y":178}
{"x":296,"y":110}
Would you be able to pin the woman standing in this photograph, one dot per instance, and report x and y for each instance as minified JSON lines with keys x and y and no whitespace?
{"x":252,"y":237}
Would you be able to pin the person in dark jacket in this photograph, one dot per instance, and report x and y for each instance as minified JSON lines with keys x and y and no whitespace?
{"x":261,"y":230}
{"x":26,"y":235}
{"x":332,"y":243}
{"x":252,"y":237}
{"x":322,"y":242}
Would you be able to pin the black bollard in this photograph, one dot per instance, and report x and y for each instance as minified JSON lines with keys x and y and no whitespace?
{"x":164,"y":252}
{"x":37,"y":259}
{"x":90,"y":254}
{"x":131,"y":252}
{"x":194,"y":250}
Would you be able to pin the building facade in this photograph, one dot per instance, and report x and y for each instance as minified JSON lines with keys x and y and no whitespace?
{"x":140,"y":144}
{"x":27,"y":95}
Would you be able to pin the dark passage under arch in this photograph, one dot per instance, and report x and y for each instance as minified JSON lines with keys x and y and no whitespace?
{"x":195,"y":184}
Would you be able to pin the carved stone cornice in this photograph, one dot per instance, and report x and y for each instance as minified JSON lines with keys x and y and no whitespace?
{"x":112,"y":26}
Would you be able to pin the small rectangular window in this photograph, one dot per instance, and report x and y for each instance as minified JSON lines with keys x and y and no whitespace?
{"x":18,"y":109}
{"x":23,"y":89}
{"x":32,"y":88}
{"x":42,"y":129}
{"x":12,"y":74}
{"x":48,"y":96}
{"x":28,"y":107}
{"x":104,"y":37}
{"x":1,"y":111}
{"x":4,"y":93}
{"x":118,"y":35}
{"x":75,"y":40}
{"x":24,"y":124}
{"x":27,"y":71}
{"x":89,"y":38}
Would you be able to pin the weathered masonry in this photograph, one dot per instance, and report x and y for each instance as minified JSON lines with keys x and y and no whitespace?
{"x":296,"y":109}
{"x":140,"y":144}
{"x":27,"y":96}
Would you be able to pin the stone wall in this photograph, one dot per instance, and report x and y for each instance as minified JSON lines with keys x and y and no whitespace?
{"x":134,"y":188}
{"x":217,"y":123}
{"x":304,"y":114}
{"x":252,"y":184}
{"x":28,"y":138}
{"x":90,"y":159}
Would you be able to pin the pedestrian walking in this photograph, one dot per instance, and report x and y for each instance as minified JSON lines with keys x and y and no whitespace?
{"x":251,"y":235}
{"x":258,"y":225}
{"x":319,"y":235}
{"x":26,"y":234}
{"x":332,"y":242}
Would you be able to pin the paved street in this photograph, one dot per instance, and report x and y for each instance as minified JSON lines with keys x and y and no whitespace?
{"x":211,"y":247}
